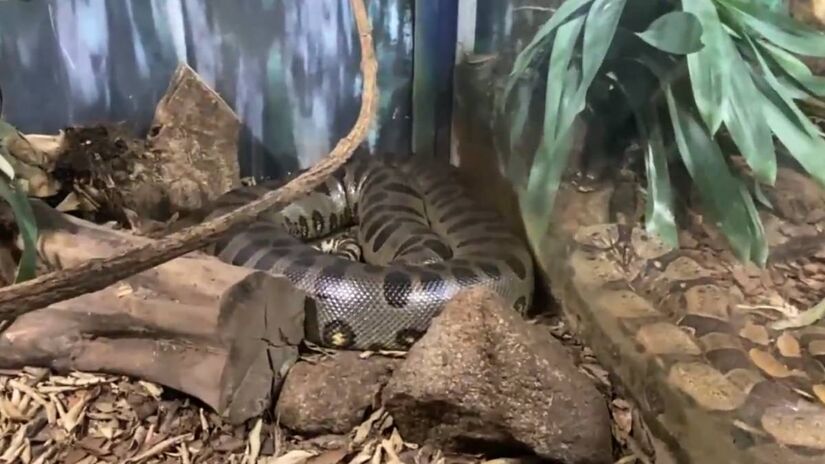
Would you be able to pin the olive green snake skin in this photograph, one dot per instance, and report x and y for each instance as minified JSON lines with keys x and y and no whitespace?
{"x":422,"y":236}
{"x":708,"y":366}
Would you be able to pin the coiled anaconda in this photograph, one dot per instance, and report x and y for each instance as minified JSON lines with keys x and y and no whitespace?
{"x":423,"y":239}
{"x":703,"y":360}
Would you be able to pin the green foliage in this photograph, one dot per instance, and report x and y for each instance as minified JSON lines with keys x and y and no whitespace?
{"x":13,"y":193}
{"x":686,"y":69}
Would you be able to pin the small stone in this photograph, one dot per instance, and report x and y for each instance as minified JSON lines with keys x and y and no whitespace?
{"x":483,"y":378}
{"x":333,"y":395}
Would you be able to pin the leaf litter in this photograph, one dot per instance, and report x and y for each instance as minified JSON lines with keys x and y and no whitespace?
{"x":84,"y":418}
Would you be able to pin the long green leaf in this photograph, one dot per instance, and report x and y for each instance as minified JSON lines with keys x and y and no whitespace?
{"x":759,"y":252}
{"x":637,"y":85}
{"x":747,"y":124}
{"x":781,"y":29}
{"x":659,"y":218}
{"x":793,"y":128}
{"x":795,"y":68}
{"x":528,"y":54}
{"x":709,"y":67}
{"x":24,"y":217}
{"x":559,"y":62}
{"x":602,"y":20}
{"x":721,"y":192}
{"x":551,"y":159}
{"x":676,"y":32}
{"x":515,"y":163}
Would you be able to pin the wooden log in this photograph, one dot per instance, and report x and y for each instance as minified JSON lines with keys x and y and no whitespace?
{"x":223,"y":334}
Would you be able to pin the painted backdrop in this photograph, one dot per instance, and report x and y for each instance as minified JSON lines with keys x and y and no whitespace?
{"x":289,"y":68}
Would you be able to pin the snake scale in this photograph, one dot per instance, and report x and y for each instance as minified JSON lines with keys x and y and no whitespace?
{"x":422,"y":236}
{"x":691,"y":332}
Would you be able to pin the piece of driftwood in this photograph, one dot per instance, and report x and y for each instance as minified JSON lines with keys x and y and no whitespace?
{"x":33,"y":294}
{"x":193,"y":141}
{"x":223,"y":334}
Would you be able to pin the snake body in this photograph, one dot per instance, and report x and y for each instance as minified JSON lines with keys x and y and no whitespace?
{"x":698,"y":340}
{"x":423,"y":239}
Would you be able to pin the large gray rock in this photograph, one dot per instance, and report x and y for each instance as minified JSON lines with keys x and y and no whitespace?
{"x":483,"y":378}
{"x":333,"y":395}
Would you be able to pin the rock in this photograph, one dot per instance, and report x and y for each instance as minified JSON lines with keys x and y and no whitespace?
{"x":333,"y":395}
{"x":483,"y":378}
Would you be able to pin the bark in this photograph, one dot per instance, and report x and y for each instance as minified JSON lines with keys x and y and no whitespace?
{"x":223,"y":334}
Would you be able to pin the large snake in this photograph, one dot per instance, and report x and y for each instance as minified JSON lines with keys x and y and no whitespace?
{"x":699,"y":339}
{"x":422,"y":235}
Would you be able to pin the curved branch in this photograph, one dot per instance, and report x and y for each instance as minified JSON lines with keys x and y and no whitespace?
{"x":97,"y":274}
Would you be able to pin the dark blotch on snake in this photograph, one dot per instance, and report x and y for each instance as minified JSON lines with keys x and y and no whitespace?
{"x":406,"y":245}
{"x":485,"y":240}
{"x":377,"y":197}
{"x":338,"y":334}
{"x":393,"y":209}
{"x":303,"y":227}
{"x":318,"y":222}
{"x":372,"y":269}
{"x":246,"y":252}
{"x":377,"y":179}
{"x":440,"y":248}
{"x":270,"y":258}
{"x":467,"y":222}
{"x":372,"y":228}
{"x":763,"y":395}
{"x":742,"y":439}
{"x":432,"y":283}
{"x":703,"y":325}
{"x":397,"y":187}
{"x":407,"y":337}
{"x":437,"y":267}
{"x":300,"y":266}
{"x":308,"y":254}
{"x":464,"y":276}
{"x":283,"y":243}
{"x":653,"y":399}
{"x":453,"y":212}
{"x":358,"y":169}
{"x":329,"y":277}
{"x":397,"y":289}
{"x":516,"y":265}
{"x":728,"y":359}
{"x":385,"y":234}
{"x":520,"y":305}
{"x":491,"y":270}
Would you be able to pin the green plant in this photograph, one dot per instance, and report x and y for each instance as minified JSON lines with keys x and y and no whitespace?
{"x":14,"y":194}
{"x":685,"y":68}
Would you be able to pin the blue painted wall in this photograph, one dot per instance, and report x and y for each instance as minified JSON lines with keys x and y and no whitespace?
{"x":289,"y":68}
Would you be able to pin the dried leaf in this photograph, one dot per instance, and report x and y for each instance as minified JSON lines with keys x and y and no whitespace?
{"x":159,"y":448}
{"x":292,"y":457}
{"x":254,"y":444}
{"x":329,"y":457}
